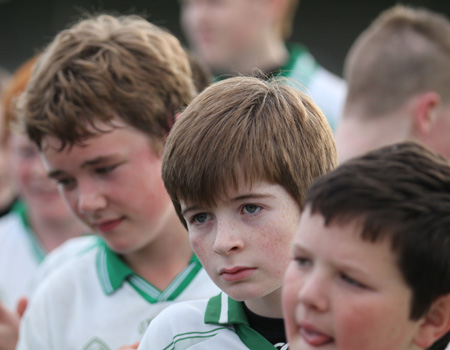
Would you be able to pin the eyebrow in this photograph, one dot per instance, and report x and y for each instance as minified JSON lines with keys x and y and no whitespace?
{"x":99,"y":160}
{"x":233,"y":200}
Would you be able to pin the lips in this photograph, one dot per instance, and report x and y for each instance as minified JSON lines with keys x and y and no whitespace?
{"x":236,"y":273}
{"x":314,"y":337}
{"x":108,"y":225}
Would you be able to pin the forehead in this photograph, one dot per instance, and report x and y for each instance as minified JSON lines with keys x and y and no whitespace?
{"x":340,"y":240}
{"x":115,"y":141}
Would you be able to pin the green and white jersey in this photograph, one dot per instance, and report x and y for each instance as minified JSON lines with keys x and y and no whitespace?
{"x":20,"y":255}
{"x":326,"y":89}
{"x":219,"y":323}
{"x":96,"y":302}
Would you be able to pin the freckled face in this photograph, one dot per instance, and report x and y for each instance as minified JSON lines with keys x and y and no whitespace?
{"x":343,"y":293}
{"x":243,"y":242}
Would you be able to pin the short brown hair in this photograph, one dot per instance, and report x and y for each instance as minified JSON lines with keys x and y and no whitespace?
{"x":404,"y":52}
{"x":102,"y":68}
{"x":248,"y":128}
{"x":399,"y":192}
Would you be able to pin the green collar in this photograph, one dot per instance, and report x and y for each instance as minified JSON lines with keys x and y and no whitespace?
{"x":113,"y":272}
{"x":300,"y":67}
{"x":20,"y":209}
{"x":222,"y":310}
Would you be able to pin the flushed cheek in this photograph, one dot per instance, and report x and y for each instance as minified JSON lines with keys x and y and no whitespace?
{"x":364,"y":321}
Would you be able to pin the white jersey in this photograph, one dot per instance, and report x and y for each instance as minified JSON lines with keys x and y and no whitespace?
{"x":219,"y":323}
{"x":20,"y":256}
{"x":96,"y":302}
{"x":326,"y":89}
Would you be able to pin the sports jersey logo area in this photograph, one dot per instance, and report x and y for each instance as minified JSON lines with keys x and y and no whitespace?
{"x":96,"y":344}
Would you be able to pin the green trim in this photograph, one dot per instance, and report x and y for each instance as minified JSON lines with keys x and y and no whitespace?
{"x":38,"y":250}
{"x":222,"y":310}
{"x":301,"y":66}
{"x":193,"y":335}
{"x":113,"y":272}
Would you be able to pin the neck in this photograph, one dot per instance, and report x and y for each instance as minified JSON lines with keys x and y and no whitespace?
{"x":160,"y":261}
{"x":358,"y":134}
{"x":267,"y":306}
{"x":266,"y":57}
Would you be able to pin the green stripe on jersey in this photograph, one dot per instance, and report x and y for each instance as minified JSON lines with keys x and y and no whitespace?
{"x":113,"y":272}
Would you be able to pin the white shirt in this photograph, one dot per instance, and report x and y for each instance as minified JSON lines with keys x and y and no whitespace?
{"x":95,"y":301}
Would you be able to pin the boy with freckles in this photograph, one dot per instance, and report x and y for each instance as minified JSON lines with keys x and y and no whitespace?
{"x":237,"y":165}
{"x":370,"y":267}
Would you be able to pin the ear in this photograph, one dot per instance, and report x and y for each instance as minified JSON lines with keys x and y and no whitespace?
{"x":435,"y":323}
{"x":426,"y":113}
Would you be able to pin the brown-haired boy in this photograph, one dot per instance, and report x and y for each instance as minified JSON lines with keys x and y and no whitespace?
{"x":102,"y":98}
{"x":371,"y":263}
{"x":398,"y":74}
{"x":237,"y":165}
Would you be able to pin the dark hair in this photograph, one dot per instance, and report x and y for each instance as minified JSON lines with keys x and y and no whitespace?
{"x":400,"y":192}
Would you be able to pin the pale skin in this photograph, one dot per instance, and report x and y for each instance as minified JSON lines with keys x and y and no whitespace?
{"x":344,"y":293}
{"x":423,"y":118}
{"x":243,"y":242}
{"x":113,"y":184}
{"x":236,"y":36}
{"x":49,"y":217}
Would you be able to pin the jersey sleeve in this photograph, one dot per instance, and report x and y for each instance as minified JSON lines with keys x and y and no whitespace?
{"x":160,"y":333}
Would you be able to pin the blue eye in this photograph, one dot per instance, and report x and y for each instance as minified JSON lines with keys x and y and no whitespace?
{"x":201,"y":218}
{"x":251,"y":208}
{"x":303,"y":261}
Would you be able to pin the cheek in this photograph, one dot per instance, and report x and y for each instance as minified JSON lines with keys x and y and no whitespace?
{"x":70,"y":198}
{"x":198,"y":244}
{"x":370,"y":320}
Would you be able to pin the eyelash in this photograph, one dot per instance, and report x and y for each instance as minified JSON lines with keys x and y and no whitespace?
{"x":106,"y":169}
{"x":347,"y":279}
{"x":193,"y":219}
{"x":65,"y":183}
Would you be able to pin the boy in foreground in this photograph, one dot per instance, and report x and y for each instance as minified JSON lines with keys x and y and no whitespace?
{"x":236,"y":165}
{"x":101,"y":99}
{"x":370,"y":267}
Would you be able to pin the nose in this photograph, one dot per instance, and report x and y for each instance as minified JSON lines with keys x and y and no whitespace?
{"x":313,"y":291}
{"x":90,"y":198}
{"x":227,"y":238}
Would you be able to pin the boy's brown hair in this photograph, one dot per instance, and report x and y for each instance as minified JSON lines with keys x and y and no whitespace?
{"x":105,"y":68}
{"x":404,"y":52}
{"x":249,"y":129}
